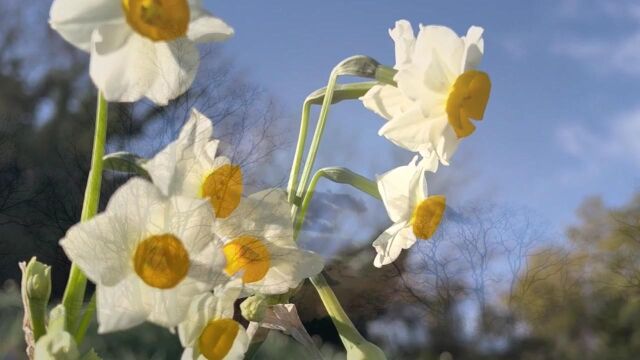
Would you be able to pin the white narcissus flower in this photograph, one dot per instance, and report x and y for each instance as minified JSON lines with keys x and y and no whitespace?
{"x":415,"y":215}
{"x":139,"y":47}
{"x":189,"y":167}
{"x":209,"y":331}
{"x":259,"y":245}
{"x":148,"y":255}
{"x":439,"y":89}
{"x":257,"y":230}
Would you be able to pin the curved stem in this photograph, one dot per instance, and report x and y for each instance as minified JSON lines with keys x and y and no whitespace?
{"x":297,"y":158}
{"x":315,"y":142}
{"x":76,"y":285}
{"x":85,"y":321}
{"x":336,"y":174}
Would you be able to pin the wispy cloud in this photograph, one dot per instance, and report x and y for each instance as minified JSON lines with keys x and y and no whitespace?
{"x":618,"y":53}
{"x":616,"y":142}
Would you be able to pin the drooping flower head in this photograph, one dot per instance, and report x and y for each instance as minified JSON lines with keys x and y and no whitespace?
{"x":209,"y":331}
{"x":415,"y":215}
{"x":148,"y":255}
{"x":438,"y":89}
{"x":139,"y":48}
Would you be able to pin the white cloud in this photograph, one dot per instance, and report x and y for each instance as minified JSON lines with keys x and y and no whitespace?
{"x":619,"y":141}
{"x":604,"y":53}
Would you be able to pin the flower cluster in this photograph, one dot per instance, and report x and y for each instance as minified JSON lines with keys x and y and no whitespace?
{"x":429,"y":111}
{"x":179,"y":245}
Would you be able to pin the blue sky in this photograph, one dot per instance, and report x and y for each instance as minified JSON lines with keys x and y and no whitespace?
{"x":563,"y":121}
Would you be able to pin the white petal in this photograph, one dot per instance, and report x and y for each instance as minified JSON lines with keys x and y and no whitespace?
{"x":138,"y":202}
{"x":409,"y":130}
{"x":474,"y":48}
{"x":391,"y":242}
{"x":410,"y":81}
{"x":289,"y":267}
{"x":127,"y":66}
{"x":101,"y":247}
{"x":119,"y":307}
{"x":179,"y":168}
{"x":240,"y":345}
{"x":444,"y":41}
{"x":386,"y":100}
{"x":448,"y":142}
{"x":267,"y":210}
{"x":76,"y":20}
{"x":404,"y":40}
{"x":205,"y":27}
{"x":168,"y":307}
{"x":188,"y":354}
{"x":192,"y":221}
{"x":401,"y":189}
{"x":201,"y":310}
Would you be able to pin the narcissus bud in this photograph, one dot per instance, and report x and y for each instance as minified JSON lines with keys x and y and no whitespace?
{"x":254,"y":307}
{"x":37,"y":280}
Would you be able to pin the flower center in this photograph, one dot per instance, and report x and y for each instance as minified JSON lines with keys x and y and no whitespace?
{"x":223,"y":187}
{"x":161,"y":261}
{"x":467,"y":100}
{"x":217,"y":338}
{"x":158,"y":20}
{"x":427,"y":215}
{"x":249,"y":254}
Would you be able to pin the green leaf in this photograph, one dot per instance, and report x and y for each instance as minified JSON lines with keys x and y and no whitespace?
{"x":125,"y":162}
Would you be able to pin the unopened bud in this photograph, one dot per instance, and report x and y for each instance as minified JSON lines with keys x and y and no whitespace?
{"x":37,"y":280}
{"x":254,"y":307}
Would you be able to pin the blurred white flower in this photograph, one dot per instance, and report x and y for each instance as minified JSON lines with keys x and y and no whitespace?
{"x":148,"y":255}
{"x":209,"y":331}
{"x":259,"y":244}
{"x":415,"y":215}
{"x":438,"y":90}
{"x":139,"y":47}
{"x":189,"y":167}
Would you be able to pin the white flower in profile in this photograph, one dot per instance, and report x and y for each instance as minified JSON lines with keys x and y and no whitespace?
{"x":415,"y":215}
{"x":209,"y":331}
{"x":438,"y":89}
{"x":148,"y":255}
{"x":189,"y":167}
{"x":259,"y":244}
{"x":139,"y":47}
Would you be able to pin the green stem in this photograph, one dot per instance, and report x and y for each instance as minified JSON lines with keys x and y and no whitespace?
{"x":77,"y":283}
{"x":315,"y":142}
{"x":85,"y":321}
{"x":335,"y":174}
{"x":37,"y":313}
{"x":297,"y":158}
{"x":347,"y":331}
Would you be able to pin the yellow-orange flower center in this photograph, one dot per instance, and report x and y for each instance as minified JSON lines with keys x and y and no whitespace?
{"x":217,"y":338}
{"x":161,"y":261}
{"x":158,"y":20}
{"x":247,"y":254}
{"x":468,"y":100}
{"x":427,"y":215}
{"x":223,"y":187}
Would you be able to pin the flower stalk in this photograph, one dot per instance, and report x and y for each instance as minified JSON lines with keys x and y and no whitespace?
{"x":74,"y":292}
